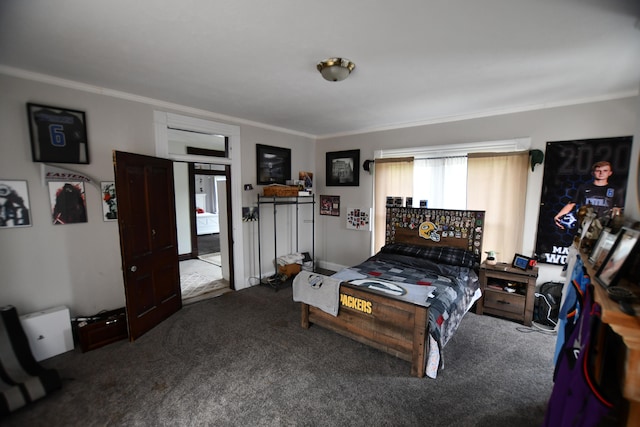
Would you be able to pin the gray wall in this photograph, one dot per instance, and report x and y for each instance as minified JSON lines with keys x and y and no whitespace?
{"x":339,"y":246}
{"x":78,"y":265}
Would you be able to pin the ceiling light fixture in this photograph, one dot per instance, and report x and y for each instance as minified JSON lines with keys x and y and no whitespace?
{"x":335,"y":69}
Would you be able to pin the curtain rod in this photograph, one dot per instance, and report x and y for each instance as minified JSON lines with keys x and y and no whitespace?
{"x":442,"y":157}
{"x":394,"y":160}
{"x":499,"y":154}
{"x":410,"y":159}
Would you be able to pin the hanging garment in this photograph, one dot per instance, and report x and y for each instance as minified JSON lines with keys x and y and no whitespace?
{"x":571,"y":307}
{"x":576,"y":399}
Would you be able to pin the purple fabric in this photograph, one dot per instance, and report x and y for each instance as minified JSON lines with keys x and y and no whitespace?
{"x":576,"y":399}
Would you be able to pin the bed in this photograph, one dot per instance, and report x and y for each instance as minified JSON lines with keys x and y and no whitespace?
{"x":409,"y":298}
{"x":207,"y":223}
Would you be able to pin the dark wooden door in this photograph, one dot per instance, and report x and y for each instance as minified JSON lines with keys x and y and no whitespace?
{"x":148,"y":239}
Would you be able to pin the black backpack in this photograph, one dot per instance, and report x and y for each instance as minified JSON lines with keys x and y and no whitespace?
{"x":547,"y":304}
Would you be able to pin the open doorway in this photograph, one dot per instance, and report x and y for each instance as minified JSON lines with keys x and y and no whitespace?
{"x":201,"y":216}
{"x":203,"y":231}
{"x":187,"y":140}
{"x":207,"y":213}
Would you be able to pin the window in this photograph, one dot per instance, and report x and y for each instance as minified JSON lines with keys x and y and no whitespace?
{"x":441,"y":181}
{"x":496,"y":178}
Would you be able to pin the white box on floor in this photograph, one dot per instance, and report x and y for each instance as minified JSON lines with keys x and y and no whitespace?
{"x":48,"y":332}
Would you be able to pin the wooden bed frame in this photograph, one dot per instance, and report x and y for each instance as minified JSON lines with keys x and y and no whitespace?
{"x":398,"y":327}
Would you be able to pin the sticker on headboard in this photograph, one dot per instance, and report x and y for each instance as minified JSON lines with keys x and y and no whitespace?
{"x":448,"y":227}
{"x":428,"y":230}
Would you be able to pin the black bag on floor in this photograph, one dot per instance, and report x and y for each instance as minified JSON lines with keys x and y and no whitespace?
{"x":547,"y":304}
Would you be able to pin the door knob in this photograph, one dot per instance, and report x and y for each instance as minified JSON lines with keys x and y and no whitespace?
{"x":133,"y":269}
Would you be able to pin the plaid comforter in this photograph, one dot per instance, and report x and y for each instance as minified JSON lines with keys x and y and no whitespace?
{"x":455,"y":286}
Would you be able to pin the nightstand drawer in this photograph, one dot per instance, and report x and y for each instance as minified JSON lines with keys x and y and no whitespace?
{"x":502,"y":301}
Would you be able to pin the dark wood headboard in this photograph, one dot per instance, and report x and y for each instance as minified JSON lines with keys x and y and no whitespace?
{"x":436,"y":227}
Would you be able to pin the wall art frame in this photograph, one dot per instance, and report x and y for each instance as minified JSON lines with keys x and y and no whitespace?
{"x":68,"y":202}
{"x":330,"y":205}
{"x":109,"y":201}
{"x":15,"y":208}
{"x":343,"y":168}
{"x":273,"y":164}
{"x":58,"y":135}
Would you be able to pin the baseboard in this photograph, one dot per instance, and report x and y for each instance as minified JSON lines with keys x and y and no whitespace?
{"x":330,"y":265}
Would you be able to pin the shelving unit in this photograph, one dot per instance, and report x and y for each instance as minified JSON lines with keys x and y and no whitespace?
{"x":507,"y":292}
{"x":276,"y":201}
{"x":628,"y":328}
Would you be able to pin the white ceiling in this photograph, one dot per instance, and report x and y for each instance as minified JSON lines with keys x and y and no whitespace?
{"x":417,"y":61}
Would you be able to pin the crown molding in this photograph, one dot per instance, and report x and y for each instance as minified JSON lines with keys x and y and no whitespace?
{"x":156,"y":103}
{"x":70,"y":84}
{"x":484,"y":114}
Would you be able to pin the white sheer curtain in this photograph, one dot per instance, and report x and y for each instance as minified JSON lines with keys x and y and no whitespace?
{"x":498,"y":184}
{"x":441,"y":181}
{"x":392,"y":177}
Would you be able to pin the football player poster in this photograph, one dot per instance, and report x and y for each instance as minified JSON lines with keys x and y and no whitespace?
{"x":578,"y":173}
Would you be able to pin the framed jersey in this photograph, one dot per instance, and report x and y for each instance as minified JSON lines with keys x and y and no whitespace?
{"x":58,"y":135}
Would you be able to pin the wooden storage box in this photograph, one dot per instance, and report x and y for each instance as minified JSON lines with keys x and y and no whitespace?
{"x":101,"y":330}
{"x":281,"y":190}
{"x":289,"y":269}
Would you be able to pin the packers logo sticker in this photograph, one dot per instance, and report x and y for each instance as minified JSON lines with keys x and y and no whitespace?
{"x":428,"y":230}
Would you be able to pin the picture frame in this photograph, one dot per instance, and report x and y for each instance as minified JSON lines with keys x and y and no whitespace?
{"x":273,"y":164}
{"x":601,"y":249}
{"x":15,"y":210}
{"x":626,"y":242}
{"x":343,"y":168}
{"x":68,"y":202}
{"x":307,"y":179}
{"x":58,"y":135}
{"x":521,"y":262}
{"x":109,"y":201}
{"x":330,"y":205}
{"x":250,"y":213}
{"x":390,"y":202}
{"x":630,"y":274}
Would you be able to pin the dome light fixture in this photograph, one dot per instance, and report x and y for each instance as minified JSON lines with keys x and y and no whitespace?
{"x":335,"y":69}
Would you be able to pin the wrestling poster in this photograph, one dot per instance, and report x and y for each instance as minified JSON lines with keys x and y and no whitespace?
{"x":576,"y":173}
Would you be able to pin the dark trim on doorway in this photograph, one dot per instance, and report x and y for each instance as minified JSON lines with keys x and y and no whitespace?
{"x":192,"y":203}
{"x":192,"y":209}
{"x":206,"y":152}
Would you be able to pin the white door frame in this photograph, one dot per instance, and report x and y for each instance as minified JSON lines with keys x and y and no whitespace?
{"x":163,"y":120}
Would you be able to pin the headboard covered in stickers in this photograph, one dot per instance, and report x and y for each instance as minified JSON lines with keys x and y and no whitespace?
{"x":436,"y":227}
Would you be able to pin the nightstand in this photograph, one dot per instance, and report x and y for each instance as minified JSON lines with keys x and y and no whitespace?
{"x":507,"y":292}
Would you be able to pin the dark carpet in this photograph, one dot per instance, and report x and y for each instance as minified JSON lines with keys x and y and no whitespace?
{"x":242,"y":359}
{"x":208,"y":244}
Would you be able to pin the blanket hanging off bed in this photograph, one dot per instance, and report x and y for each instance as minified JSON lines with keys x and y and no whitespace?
{"x":317,"y":290}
